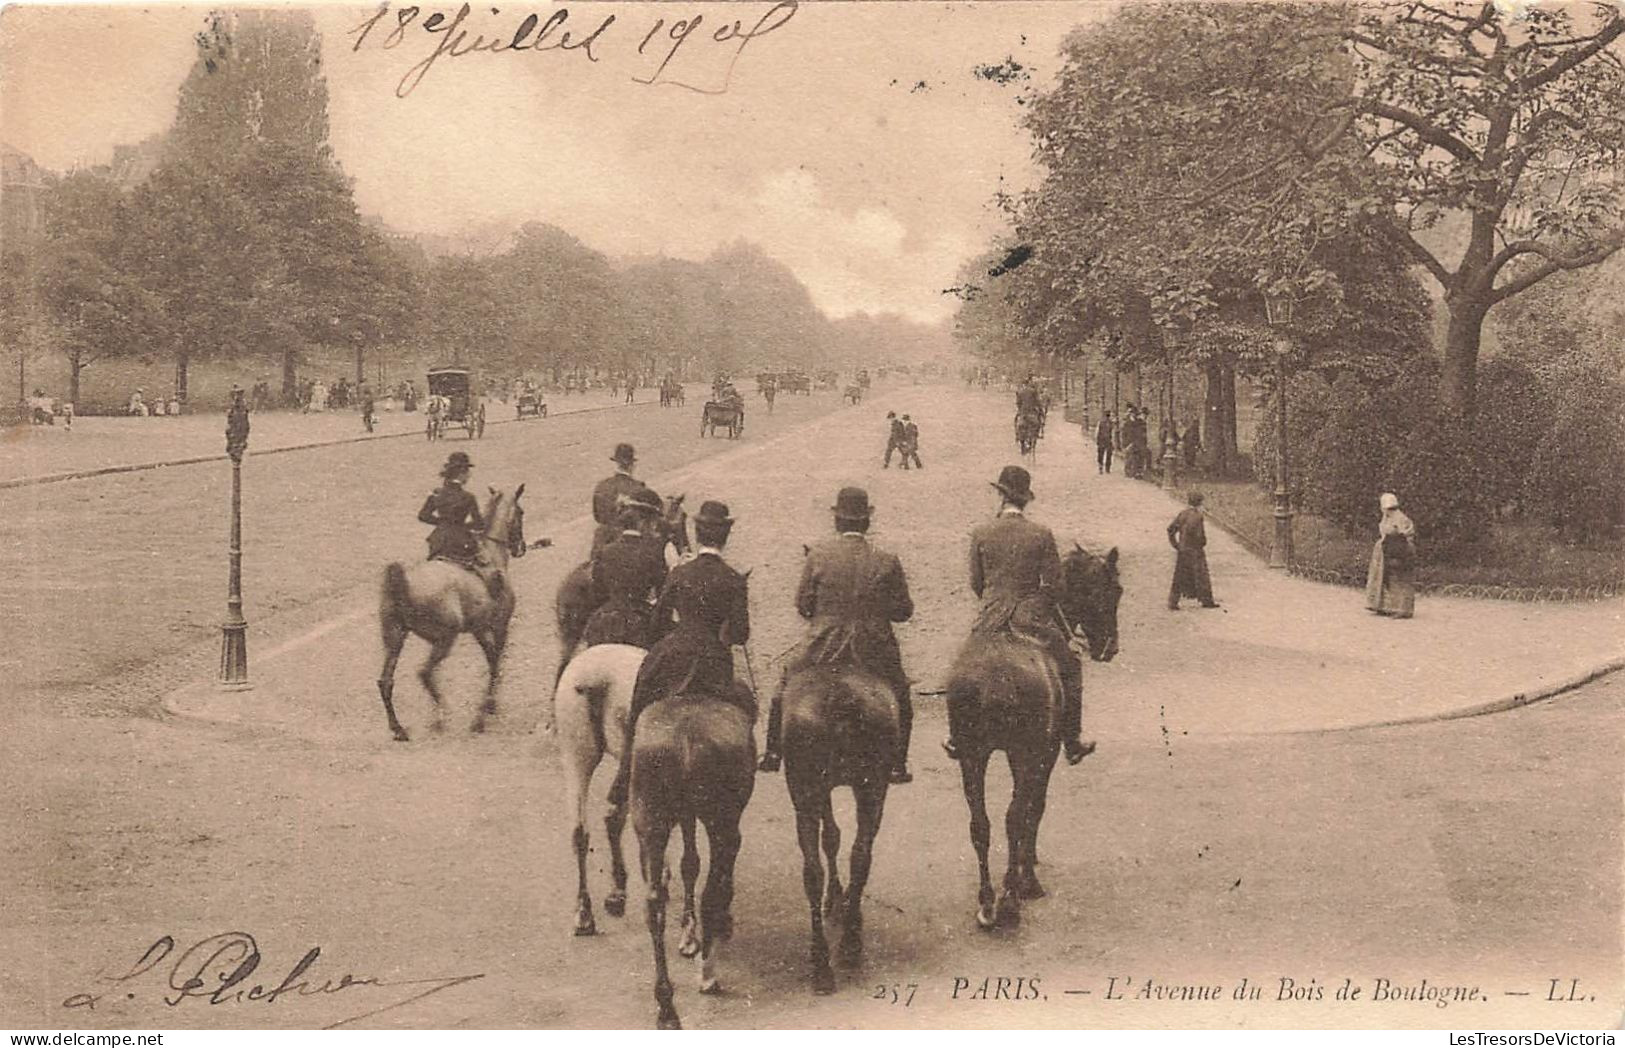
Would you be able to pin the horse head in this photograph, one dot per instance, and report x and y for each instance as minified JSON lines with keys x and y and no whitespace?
{"x":674,"y":524}
{"x":505,"y":521}
{"x":1090,"y":594}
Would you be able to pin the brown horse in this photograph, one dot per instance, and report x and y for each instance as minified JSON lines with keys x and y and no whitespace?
{"x":1009,"y":691}
{"x":693,"y":761}
{"x":574,"y":604}
{"x":439,"y":601}
{"x":840,"y":729}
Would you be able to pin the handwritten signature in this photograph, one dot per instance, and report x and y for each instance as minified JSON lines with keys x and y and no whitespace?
{"x":217,"y":970}
{"x":455,"y":36}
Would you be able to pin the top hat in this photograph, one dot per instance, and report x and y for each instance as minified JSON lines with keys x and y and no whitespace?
{"x":1016,"y":484}
{"x":852,"y":504}
{"x":891,"y":414}
{"x":713,"y":513}
{"x":624,"y":455}
{"x":456,"y":463}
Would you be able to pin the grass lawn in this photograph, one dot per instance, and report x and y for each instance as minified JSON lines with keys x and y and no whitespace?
{"x":1522,"y":555}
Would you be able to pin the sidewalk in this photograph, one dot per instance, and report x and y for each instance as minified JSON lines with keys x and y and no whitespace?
{"x":101,"y":444}
{"x":1282,"y":655}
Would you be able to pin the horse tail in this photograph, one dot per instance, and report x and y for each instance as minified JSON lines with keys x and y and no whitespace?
{"x":393,"y":598}
{"x":594,"y":695}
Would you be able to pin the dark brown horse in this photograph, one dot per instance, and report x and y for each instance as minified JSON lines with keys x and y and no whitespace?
{"x":1009,"y":691}
{"x":840,"y":729}
{"x":574,"y":605}
{"x":440,"y":601}
{"x":693,"y":762}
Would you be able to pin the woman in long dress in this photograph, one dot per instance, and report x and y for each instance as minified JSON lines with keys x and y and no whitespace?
{"x":1390,"y":588}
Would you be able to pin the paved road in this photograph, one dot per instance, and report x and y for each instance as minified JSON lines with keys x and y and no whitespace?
{"x":1480,"y":852}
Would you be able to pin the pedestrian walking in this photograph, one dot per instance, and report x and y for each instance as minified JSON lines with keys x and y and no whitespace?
{"x":1188,"y":535}
{"x":1103,"y":444}
{"x":911,"y":444}
{"x":1390,"y":587}
{"x":894,"y":439}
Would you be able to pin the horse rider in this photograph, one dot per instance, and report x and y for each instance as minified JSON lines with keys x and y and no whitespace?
{"x":1015,"y":569}
{"x":1027,"y":400}
{"x":607,"y":496}
{"x":627,"y":576}
{"x":852,"y":592}
{"x":458,"y":523}
{"x":712,"y":609}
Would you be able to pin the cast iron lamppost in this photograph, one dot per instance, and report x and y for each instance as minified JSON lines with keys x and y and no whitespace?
{"x":234,"y":639}
{"x":1170,"y":460}
{"x":1278,"y":308}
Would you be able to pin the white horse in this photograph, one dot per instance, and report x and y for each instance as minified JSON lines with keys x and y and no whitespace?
{"x":590,"y":707}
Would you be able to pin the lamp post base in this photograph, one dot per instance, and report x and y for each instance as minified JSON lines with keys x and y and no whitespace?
{"x":234,"y":657}
{"x":1281,"y":550}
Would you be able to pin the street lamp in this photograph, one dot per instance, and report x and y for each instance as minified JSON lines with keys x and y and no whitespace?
{"x":1170,"y":460}
{"x":1278,"y":309}
{"x":234,"y":631}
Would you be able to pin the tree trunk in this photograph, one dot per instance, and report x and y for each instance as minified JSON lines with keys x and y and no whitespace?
{"x":290,"y":376}
{"x":76,"y":364}
{"x":1219,"y":417}
{"x":1459,"y":378}
{"x":360,"y":365}
{"x":183,"y":361}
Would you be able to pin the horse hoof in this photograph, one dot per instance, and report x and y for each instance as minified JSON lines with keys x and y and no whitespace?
{"x":1031,"y":889}
{"x":477,"y":728}
{"x":669,"y":1022}
{"x":711,"y":987}
{"x":585,"y":925}
{"x":1009,"y":912}
{"x":401,"y":736}
{"x":615,"y":904}
{"x":985,"y":918}
{"x":823,"y":981}
{"x":689,"y":947}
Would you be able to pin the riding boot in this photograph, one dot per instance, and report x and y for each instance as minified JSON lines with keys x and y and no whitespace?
{"x":1072,"y":710}
{"x":905,"y":731}
{"x":771,"y":757}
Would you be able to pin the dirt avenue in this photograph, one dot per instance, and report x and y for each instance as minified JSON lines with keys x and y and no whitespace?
{"x":192,"y":858}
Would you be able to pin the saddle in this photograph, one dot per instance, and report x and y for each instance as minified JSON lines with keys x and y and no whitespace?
{"x":493,"y":579}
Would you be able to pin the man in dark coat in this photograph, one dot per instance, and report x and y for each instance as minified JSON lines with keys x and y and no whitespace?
{"x":1188,"y":536}
{"x":607,"y":496}
{"x":852,"y":592}
{"x":894,"y":439}
{"x":1103,"y":444}
{"x":711,"y":607}
{"x":1016,"y":570}
{"x":911,"y":444}
{"x":627,"y":576}
{"x":457,"y":522}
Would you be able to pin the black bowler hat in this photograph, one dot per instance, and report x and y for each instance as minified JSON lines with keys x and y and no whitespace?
{"x":456,"y":463}
{"x":713,"y":513}
{"x":852,"y":504}
{"x":1016,"y":484}
{"x":624,"y":455}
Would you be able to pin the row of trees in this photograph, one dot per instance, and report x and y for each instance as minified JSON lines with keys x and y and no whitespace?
{"x":245,"y":242}
{"x":1205,"y":162}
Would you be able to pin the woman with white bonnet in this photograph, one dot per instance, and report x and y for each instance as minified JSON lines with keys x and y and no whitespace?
{"x":1389,"y":585}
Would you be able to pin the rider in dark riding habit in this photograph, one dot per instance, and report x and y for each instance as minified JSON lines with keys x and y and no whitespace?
{"x":607,"y":496}
{"x":457,"y":522}
{"x":627,"y":576}
{"x":1016,"y":570}
{"x":711,"y":607}
{"x":852,"y":592}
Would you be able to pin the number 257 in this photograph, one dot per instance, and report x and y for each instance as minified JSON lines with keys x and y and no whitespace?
{"x":896,"y":993}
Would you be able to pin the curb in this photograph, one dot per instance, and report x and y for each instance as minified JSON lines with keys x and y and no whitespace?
{"x":85,"y":474}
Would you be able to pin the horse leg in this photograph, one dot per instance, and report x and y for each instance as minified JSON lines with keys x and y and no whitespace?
{"x":580,"y":757}
{"x":812,"y":880}
{"x":394,"y":640}
{"x":491,"y":641}
{"x":1030,"y":886}
{"x":832,"y":854}
{"x":690,"y":943}
{"x":716,"y":922}
{"x":652,"y":849}
{"x":614,"y":824}
{"x":972,"y":775}
{"x":437,"y":654}
{"x":871,"y":803}
{"x":1015,"y":834}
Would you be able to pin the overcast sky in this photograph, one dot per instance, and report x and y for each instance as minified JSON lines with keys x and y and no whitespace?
{"x":825,"y":148}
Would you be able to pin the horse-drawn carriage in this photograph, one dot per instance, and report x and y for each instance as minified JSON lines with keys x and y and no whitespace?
{"x":728,"y":414}
{"x":671,"y":393}
{"x":530,"y":403}
{"x":795,"y":382}
{"x":853,"y":394}
{"x":450,"y":403}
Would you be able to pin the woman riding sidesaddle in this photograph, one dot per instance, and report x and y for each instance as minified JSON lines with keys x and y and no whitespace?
{"x":457,"y":520}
